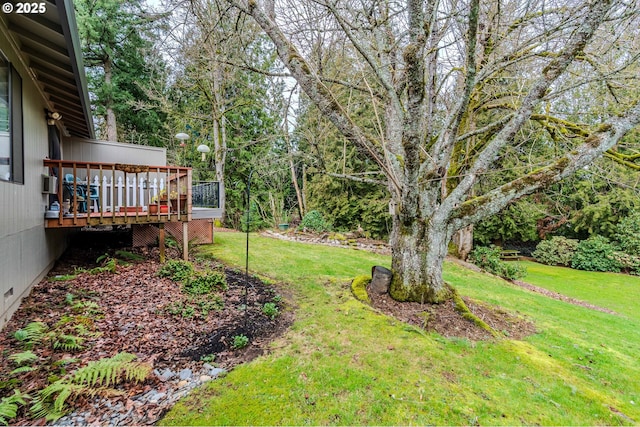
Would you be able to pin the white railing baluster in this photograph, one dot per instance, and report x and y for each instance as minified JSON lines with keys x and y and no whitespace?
{"x":106,"y":195}
{"x":141,"y":191}
{"x":119,"y":192}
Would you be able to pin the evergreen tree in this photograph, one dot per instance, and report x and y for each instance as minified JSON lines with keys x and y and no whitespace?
{"x":122,"y":64}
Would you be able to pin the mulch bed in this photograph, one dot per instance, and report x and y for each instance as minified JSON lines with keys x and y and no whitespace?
{"x":445,"y":320}
{"x":134,"y":317}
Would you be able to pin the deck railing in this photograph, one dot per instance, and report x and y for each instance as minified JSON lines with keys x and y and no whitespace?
{"x":105,"y":193}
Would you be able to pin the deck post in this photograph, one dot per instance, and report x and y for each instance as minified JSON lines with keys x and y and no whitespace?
{"x":161,"y":242}
{"x":185,"y":240}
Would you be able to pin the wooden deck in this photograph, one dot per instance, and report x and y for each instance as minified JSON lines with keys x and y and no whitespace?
{"x":103,"y":194}
{"x":116,"y":218}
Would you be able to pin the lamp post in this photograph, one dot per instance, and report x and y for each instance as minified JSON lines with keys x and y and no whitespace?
{"x":182,"y":137}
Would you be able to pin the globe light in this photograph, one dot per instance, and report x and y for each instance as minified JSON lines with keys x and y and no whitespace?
{"x":204,"y":149}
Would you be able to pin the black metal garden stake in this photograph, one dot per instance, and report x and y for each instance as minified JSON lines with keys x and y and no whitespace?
{"x":246,"y":282}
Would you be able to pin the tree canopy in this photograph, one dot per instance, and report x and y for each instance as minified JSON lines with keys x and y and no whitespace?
{"x":456,"y":87}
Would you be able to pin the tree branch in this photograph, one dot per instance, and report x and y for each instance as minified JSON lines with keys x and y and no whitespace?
{"x":593,"y":146}
{"x":358,"y":179}
{"x":314,"y":87}
{"x":575,"y":46}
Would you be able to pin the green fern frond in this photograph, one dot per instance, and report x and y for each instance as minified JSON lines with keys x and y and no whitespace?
{"x":102,"y":258}
{"x":50,"y":401}
{"x":66,"y":342}
{"x":69,"y":298}
{"x":31,"y":334}
{"x":129,"y":256}
{"x":107,"y":372}
{"x":9,"y":406}
{"x":23,"y":358}
{"x":22,"y":370}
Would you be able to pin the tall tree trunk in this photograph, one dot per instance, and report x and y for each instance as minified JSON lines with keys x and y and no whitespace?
{"x":418,"y":251}
{"x":221,"y":154}
{"x":463,"y":241}
{"x":111,"y":125}
{"x":219,"y":136}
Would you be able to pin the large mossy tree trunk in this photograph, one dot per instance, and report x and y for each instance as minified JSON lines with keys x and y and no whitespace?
{"x":418,"y":252}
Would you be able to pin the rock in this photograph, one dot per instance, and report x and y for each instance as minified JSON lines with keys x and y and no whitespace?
{"x":156,"y":397}
{"x":208,"y":367}
{"x":380,"y":279}
{"x":214,"y":372}
{"x":182,"y":383}
{"x":166,"y":375}
{"x":205,"y":378}
{"x":185,"y":374}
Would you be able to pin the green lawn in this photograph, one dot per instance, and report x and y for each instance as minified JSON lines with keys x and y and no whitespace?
{"x":618,"y":292}
{"x":343,"y":363}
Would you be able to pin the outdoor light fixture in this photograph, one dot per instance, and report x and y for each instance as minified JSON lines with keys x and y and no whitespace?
{"x":182,"y":137}
{"x":53,"y":117}
{"x":204,"y":149}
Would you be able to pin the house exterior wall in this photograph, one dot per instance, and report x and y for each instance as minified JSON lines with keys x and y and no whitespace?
{"x":84,"y":150}
{"x":27,"y":251}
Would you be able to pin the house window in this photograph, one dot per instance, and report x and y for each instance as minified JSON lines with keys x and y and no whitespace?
{"x":11,"y":143}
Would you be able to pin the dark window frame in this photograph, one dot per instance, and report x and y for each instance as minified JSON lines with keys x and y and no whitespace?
{"x":16,"y":125}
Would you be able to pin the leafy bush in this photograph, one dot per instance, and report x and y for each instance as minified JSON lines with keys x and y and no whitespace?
{"x":240,"y":341}
{"x":556,"y":251}
{"x":628,"y":234}
{"x":270,"y":310}
{"x":595,"y":254}
{"x":628,"y":263}
{"x":176,"y":270}
{"x":488,"y":258}
{"x":314,"y":221}
{"x":202,"y":283}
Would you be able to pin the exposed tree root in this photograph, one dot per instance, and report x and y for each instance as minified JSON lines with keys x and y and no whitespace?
{"x":464,"y":311}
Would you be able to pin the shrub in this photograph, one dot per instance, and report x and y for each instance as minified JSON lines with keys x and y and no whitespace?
{"x":270,"y":310}
{"x":176,"y":270}
{"x":595,"y":254}
{"x":556,"y":251}
{"x":202,"y":283}
{"x":314,"y":221}
{"x":628,"y":263}
{"x":488,"y":258}
{"x":240,"y":341}
{"x":627,"y":234}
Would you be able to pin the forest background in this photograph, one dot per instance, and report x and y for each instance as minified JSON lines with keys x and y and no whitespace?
{"x":205,"y":69}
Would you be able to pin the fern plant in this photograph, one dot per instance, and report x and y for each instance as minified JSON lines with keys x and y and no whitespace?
{"x":125,"y":255}
{"x":50,"y":402}
{"x":9,"y":406}
{"x":31,"y":335}
{"x":95,"y":379}
{"x":66,"y":342}
{"x":110,"y":371}
{"x":23,"y":358}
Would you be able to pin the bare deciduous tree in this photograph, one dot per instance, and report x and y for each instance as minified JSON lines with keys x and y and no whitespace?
{"x":459,"y":82}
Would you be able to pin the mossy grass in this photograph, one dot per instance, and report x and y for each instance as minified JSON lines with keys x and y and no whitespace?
{"x":359,"y":288}
{"x":342,"y":363}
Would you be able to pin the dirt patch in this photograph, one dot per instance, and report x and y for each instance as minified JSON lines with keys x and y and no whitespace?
{"x":133,"y":310}
{"x":447,"y":321}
